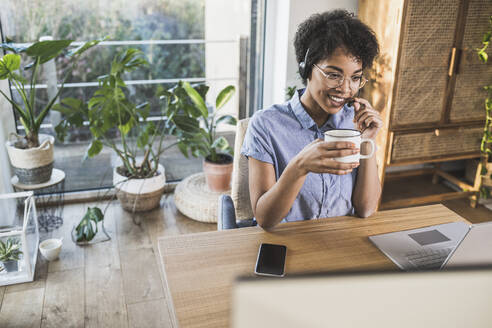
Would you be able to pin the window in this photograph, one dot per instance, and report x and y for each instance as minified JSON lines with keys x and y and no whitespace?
{"x":193,"y":40}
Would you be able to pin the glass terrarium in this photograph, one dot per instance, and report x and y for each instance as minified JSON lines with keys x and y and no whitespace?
{"x":19,"y":238}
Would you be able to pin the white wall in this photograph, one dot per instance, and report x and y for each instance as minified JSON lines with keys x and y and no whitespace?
{"x":280,"y":60}
{"x":224,"y":20}
{"x":6,"y":126}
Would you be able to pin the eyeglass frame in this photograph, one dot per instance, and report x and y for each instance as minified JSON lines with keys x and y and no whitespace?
{"x":363,"y":80}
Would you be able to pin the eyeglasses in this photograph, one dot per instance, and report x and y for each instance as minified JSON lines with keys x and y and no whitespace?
{"x":334,"y":80}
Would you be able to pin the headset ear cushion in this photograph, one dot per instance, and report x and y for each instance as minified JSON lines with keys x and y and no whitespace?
{"x":302,"y":69}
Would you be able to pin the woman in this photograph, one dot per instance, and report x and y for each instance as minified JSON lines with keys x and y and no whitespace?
{"x":292,"y":171}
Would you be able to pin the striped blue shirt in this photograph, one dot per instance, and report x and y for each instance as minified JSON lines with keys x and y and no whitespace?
{"x":276,"y":134}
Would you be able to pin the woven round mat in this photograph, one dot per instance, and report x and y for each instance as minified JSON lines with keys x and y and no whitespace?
{"x":193,"y":198}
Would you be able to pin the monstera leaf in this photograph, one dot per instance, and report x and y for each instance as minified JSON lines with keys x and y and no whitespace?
{"x":86,"y":230}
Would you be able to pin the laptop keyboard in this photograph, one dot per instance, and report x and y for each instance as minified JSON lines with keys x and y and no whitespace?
{"x":428,"y":259}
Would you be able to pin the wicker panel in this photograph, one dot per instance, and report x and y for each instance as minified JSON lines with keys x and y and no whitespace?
{"x":419,"y":95}
{"x":423,"y":145}
{"x":428,"y":29}
{"x":468,"y":99}
{"x":428,"y":34}
{"x":469,"y":96}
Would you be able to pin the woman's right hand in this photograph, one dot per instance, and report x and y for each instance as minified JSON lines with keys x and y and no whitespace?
{"x":318,"y":157}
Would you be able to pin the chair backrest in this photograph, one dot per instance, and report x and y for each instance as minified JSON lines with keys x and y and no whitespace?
{"x":240,"y":181}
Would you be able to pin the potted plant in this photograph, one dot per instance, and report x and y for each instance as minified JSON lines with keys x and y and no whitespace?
{"x":10,"y":254}
{"x":139,"y":180}
{"x":32,"y":155}
{"x":216,"y":152}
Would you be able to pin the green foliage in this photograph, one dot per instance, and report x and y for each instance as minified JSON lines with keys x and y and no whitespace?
{"x":86,"y":230}
{"x":39,"y":52}
{"x":10,"y":250}
{"x":202,"y":141}
{"x":141,"y":20}
{"x":486,"y":144}
{"x":110,"y":110}
{"x":290,"y":91}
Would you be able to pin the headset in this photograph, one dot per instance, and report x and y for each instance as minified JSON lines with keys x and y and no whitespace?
{"x":303,"y":70}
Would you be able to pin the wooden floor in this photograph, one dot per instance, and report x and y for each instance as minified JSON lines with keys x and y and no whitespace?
{"x":115,"y":283}
{"x":110,"y":284}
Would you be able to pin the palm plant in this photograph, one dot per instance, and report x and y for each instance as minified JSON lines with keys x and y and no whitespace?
{"x":39,"y":52}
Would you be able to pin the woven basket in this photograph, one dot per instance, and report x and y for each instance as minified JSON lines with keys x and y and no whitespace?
{"x":35,"y":165}
{"x":193,"y":198}
{"x":139,"y":195}
{"x":139,"y":202}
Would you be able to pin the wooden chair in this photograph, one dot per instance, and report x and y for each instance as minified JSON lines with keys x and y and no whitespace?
{"x":235,"y":211}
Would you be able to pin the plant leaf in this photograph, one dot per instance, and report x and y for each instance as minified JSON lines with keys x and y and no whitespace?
{"x":227,"y":119}
{"x":196,"y":99}
{"x":483,"y":56}
{"x":47,"y":50}
{"x":224,"y":96}
{"x":187,"y":124}
{"x":96,"y":214}
{"x":86,"y":46}
{"x":8,"y":64}
{"x":94,"y":148}
{"x":220,"y":143}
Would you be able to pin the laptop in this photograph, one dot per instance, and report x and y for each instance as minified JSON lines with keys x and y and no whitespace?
{"x":449,"y":298}
{"x":438,"y":246}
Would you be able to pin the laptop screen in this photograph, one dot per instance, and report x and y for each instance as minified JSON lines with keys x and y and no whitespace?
{"x":454,"y":298}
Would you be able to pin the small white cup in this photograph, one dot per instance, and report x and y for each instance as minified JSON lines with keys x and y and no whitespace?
{"x":350,"y":136}
{"x":50,"y":248}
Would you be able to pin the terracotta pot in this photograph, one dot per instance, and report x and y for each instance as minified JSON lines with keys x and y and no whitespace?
{"x":33,"y":165}
{"x":139,"y":195}
{"x":218,"y":176}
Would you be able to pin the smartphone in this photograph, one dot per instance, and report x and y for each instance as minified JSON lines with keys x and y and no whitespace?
{"x":271,"y":260}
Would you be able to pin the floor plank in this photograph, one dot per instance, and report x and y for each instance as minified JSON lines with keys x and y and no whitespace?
{"x":102,"y":254}
{"x":463,"y":208}
{"x":141,"y":278}
{"x":22,"y":308}
{"x":72,"y":255}
{"x":104,"y":298}
{"x":131,"y":233}
{"x":149,"y":314}
{"x":64,"y":299}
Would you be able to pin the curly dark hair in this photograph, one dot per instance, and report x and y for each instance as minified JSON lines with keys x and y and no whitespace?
{"x":325,"y":32}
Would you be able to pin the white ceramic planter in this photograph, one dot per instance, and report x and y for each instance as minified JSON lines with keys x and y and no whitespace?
{"x":138,"y":195}
{"x":34,"y":165}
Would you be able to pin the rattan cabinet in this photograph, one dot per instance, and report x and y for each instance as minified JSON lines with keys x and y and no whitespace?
{"x":428,"y":83}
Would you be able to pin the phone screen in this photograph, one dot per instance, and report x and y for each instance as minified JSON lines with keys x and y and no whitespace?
{"x":271,"y":260}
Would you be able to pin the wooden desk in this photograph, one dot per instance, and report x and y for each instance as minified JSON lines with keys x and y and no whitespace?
{"x":199,"y":269}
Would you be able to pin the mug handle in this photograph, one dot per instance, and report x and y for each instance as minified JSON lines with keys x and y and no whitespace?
{"x":373,"y":148}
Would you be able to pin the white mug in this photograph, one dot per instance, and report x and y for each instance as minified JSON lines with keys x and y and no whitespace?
{"x":350,"y":136}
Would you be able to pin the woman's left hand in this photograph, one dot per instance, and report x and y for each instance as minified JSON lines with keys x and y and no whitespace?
{"x":366,"y":118}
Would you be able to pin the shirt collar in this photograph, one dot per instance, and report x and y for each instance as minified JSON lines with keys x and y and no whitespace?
{"x":333,"y":122}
